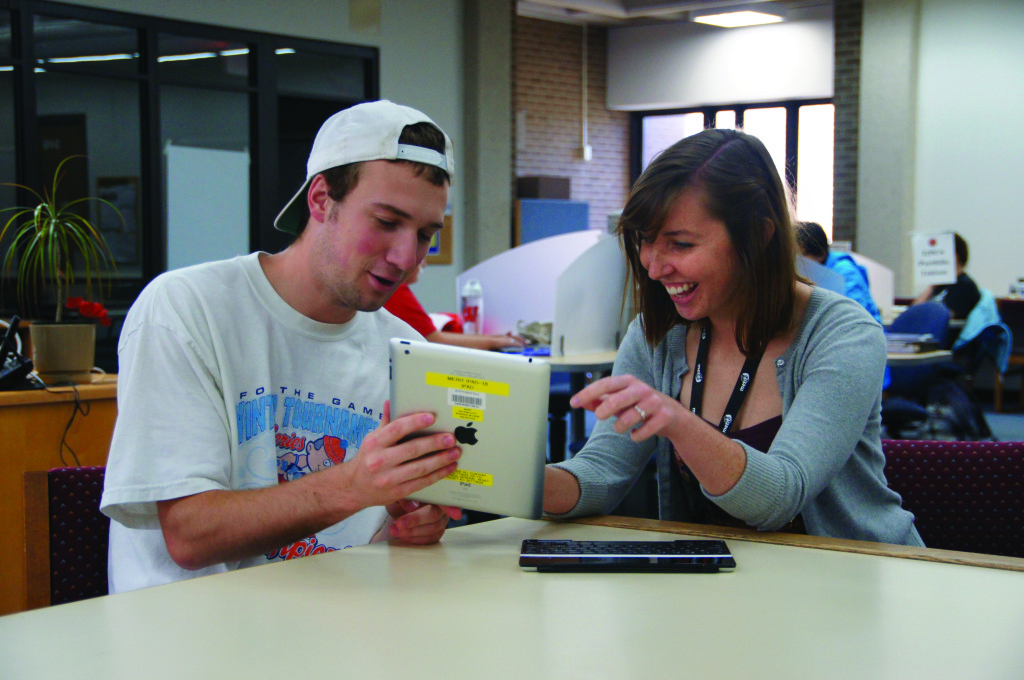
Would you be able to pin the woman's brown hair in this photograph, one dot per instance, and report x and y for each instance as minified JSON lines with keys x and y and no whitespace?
{"x":742,"y":188}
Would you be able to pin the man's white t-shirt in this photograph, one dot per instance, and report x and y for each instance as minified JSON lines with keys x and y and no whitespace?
{"x":223,"y":385}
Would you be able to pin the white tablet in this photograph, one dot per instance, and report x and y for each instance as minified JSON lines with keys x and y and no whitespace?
{"x":496,"y":405}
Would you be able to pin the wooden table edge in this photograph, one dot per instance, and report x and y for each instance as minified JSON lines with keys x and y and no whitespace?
{"x":804,"y":541}
{"x":105,"y":388}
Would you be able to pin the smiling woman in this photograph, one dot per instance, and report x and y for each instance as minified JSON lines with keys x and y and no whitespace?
{"x":752,"y":416}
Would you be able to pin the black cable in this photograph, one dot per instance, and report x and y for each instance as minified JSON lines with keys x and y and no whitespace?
{"x":80,"y":407}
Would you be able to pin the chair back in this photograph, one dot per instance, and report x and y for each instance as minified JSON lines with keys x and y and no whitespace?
{"x":928,"y":317}
{"x":965,"y":496}
{"x":66,"y":536}
{"x":992,"y":343}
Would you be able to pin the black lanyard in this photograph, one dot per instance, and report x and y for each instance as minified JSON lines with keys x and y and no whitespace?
{"x":739,"y":392}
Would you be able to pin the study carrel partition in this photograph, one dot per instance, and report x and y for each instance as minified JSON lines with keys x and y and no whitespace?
{"x":573,"y":280}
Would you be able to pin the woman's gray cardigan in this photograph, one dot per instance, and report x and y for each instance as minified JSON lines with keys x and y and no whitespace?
{"x":826,"y":462}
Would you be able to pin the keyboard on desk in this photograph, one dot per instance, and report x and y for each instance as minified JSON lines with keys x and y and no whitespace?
{"x":690,"y":555}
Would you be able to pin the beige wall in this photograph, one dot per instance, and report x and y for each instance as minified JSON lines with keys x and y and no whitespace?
{"x":942,"y":87}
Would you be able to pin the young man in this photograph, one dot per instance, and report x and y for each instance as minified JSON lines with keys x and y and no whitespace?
{"x":813,"y":243}
{"x":240,"y":379}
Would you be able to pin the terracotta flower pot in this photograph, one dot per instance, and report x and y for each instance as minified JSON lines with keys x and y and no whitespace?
{"x":63,"y":352}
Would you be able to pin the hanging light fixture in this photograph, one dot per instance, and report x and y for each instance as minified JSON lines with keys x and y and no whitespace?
{"x":740,"y":15}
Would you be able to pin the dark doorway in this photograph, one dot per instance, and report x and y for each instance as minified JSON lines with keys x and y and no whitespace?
{"x":299,"y":119}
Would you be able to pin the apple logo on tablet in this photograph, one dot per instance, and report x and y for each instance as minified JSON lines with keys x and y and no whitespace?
{"x":466,"y":435}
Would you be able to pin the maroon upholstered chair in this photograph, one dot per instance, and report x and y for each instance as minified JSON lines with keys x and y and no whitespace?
{"x":66,"y":536}
{"x":965,"y":495}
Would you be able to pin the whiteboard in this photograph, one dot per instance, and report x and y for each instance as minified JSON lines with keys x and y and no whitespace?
{"x":207,"y":204}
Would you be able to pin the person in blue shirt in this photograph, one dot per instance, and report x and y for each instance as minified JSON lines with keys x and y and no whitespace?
{"x":814,"y":245}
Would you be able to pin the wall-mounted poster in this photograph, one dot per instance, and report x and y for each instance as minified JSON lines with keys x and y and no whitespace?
{"x":120,"y":232}
{"x":440,"y":251}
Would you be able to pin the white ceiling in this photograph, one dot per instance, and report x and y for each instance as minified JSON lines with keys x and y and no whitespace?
{"x":636,"y":12}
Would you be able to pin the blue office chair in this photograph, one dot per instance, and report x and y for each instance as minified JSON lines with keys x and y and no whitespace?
{"x":904,"y":407}
{"x":984,"y":339}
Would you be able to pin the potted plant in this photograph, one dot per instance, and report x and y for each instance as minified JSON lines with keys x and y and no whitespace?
{"x":49,"y":242}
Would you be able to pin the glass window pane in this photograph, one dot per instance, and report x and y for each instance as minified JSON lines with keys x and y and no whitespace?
{"x":202,"y":61}
{"x":205,"y":140}
{"x":5,"y":38}
{"x":8,"y":196}
{"x":7,"y":168}
{"x":661,"y":132}
{"x":725,"y":120}
{"x":814,"y":165}
{"x":96,"y":47}
{"x":320,"y":75}
{"x":769,"y":125}
{"x":98,"y":118}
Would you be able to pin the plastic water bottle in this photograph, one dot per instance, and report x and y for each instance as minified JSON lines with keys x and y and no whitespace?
{"x":472,"y":307}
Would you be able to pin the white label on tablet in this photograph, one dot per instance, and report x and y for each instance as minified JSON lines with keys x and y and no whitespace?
{"x":466,"y":398}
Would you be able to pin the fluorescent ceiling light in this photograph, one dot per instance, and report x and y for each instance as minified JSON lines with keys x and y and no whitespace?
{"x":187,"y":57}
{"x":234,"y":53}
{"x":95,"y":57}
{"x":737,"y":19}
{"x":6,"y":68}
{"x":284,"y":50}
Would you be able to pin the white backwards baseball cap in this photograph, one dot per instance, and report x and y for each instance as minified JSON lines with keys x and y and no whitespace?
{"x":365,"y":132}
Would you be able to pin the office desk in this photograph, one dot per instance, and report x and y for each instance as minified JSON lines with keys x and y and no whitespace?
{"x":938,"y":356}
{"x":577,"y":366}
{"x":464,"y":609}
{"x":33,"y":424}
{"x":583,"y":363}
{"x":896,"y":310}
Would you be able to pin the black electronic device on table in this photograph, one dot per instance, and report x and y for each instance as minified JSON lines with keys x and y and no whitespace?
{"x":14,"y":368}
{"x":682,"y":556}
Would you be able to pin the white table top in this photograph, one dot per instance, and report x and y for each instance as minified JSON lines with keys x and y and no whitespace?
{"x":464,"y":609}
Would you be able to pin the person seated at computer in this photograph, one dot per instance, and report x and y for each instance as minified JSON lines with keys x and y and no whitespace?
{"x":759,"y":394}
{"x":406,"y":307}
{"x":959,"y":297}
{"x":813,"y":243}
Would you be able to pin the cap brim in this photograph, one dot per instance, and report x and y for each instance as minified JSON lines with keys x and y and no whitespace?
{"x":290,"y":219}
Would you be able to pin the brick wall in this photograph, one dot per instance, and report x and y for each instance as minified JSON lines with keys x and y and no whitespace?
{"x":848,"y":23}
{"x":547,"y":83}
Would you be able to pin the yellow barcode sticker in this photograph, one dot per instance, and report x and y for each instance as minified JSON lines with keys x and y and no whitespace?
{"x":471,"y":414}
{"x":461,"y":382}
{"x":469,"y":477}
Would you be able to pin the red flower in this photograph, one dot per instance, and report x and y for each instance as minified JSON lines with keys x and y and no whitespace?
{"x":89,"y":310}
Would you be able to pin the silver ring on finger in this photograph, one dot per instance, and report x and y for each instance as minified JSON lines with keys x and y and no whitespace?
{"x":640,"y":412}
